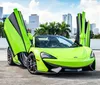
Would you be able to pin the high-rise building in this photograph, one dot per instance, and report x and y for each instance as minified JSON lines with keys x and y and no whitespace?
{"x":1,"y":13}
{"x":69,"y":21}
{"x":67,"y":18}
{"x":33,"y":22}
{"x":64,"y":18}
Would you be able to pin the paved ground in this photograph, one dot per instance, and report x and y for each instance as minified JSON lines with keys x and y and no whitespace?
{"x":13,"y":75}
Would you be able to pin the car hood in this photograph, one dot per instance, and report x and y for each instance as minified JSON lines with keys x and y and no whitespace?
{"x":67,"y":53}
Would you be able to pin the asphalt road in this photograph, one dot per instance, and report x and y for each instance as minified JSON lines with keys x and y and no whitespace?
{"x":14,"y":75}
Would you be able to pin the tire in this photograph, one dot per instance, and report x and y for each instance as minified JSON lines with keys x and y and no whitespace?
{"x":10,"y":56}
{"x":31,"y":64}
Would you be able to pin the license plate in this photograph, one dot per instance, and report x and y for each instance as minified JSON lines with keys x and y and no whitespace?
{"x":73,"y":70}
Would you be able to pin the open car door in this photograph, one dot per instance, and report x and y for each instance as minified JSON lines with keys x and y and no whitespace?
{"x":83,"y":30}
{"x":16,"y":35}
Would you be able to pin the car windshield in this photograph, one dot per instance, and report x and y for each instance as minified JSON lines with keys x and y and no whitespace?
{"x":52,"y":42}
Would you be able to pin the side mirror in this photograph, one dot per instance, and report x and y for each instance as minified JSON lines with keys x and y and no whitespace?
{"x":30,"y":36}
{"x":32,"y":39}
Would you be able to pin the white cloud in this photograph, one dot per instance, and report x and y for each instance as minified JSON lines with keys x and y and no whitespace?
{"x":91,"y":7}
{"x":44,"y":15}
{"x":32,"y":8}
{"x":8,"y":8}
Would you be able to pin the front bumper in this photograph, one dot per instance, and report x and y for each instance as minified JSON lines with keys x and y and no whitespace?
{"x":59,"y":69}
{"x":75,"y":63}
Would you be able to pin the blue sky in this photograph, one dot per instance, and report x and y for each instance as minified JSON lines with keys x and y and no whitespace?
{"x":50,"y":4}
{"x":53,"y":5}
{"x":52,"y":10}
{"x":25,"y":2}
{"x":56,"y":7}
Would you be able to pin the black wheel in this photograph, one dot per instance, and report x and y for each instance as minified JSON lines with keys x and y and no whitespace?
{"x":10,"y":56}
{"x":31,"y":64}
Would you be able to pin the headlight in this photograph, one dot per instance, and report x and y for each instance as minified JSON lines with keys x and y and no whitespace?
{"x":45,"y":55}
{"x":92,"y":55}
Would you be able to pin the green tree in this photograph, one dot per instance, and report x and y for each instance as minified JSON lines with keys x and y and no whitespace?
{"x":43,"y":28}
{"x":97,"y":36}
{"x":53,"y":28}
{"x":64,"y":29}
{"x":1,"y":29}
{"x":91,"y":34}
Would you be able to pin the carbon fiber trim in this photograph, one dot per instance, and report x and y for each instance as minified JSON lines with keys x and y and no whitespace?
{"x":14,"y":22}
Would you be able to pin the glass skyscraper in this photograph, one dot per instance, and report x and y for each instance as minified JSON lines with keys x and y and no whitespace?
{"x":33,"y":22}
{"x":1,"y":12}
{"x":67,"y":18}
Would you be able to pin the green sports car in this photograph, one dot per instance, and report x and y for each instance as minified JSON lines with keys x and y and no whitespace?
{"x":57,"y":54}
{"x":48,"y":53}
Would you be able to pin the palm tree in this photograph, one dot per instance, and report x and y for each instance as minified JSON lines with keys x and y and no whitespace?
{"x":44,"y":28}
{"x":58,"y":28}
{"x":64,"y":29}
{"x":53,"y":28}
{"x":1,"y":29}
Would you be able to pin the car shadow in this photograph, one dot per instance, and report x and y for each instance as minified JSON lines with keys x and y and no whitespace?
{"x":68,"y":75}
{"x":75,"y":75}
